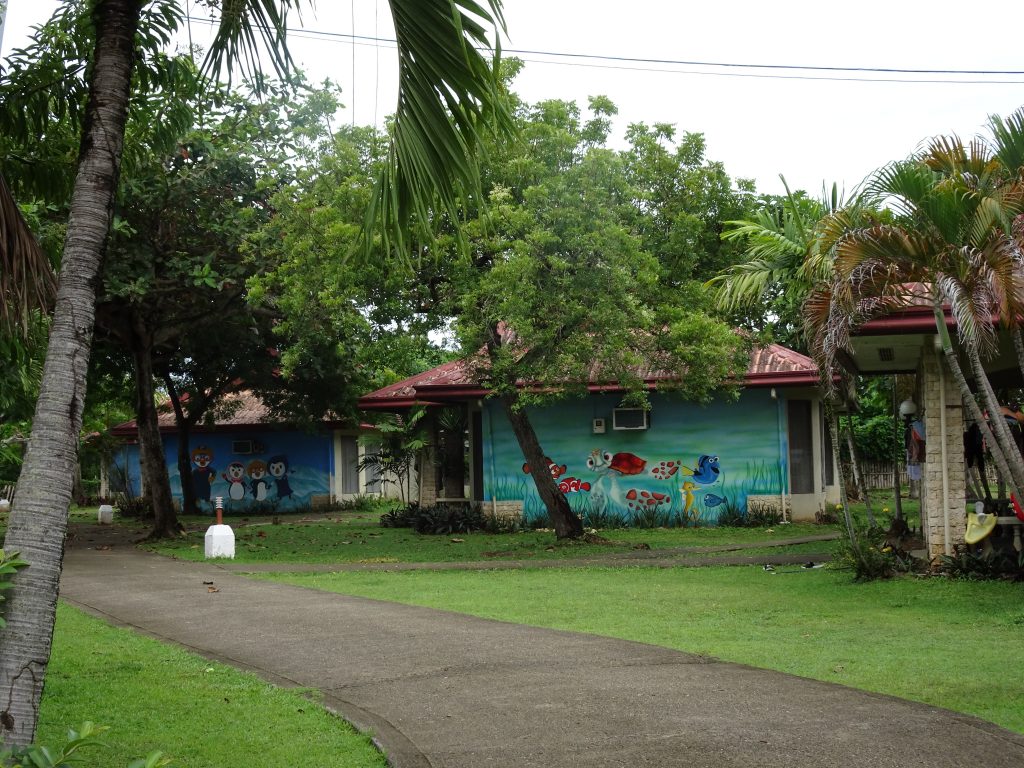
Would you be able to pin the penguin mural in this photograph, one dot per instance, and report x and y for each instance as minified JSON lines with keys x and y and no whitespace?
{"x":235,"y":477}
{"x":278,"y":468}
{"x":259,"y":485}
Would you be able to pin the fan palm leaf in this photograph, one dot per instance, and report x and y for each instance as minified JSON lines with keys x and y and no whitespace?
{"x":1008,"y":141}
{"x":27,"y":280}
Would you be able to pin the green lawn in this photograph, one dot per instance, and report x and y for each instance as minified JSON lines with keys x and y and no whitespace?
{"x":202,"y":714}
{"x":955,"y":644}
{"x":356,"y":538}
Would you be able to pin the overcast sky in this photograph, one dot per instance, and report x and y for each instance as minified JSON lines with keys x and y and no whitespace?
{"x":768,"y":122}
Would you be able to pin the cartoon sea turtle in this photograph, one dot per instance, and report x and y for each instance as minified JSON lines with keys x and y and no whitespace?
{"x":622,"y":463}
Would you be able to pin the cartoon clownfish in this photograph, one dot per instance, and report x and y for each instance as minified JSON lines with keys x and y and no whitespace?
{"x":556,"y":470}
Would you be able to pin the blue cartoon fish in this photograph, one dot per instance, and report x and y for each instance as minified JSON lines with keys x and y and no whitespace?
{"x":710,"y":500}
{"x":707,"y":471}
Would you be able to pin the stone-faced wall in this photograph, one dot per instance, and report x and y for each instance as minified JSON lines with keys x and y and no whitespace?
{"x":932,"y":374}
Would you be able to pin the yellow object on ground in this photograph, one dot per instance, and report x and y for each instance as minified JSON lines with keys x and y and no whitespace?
{"x":978,"y":527}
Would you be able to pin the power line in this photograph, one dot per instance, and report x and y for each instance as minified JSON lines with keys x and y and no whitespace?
{"x":576,"y":60}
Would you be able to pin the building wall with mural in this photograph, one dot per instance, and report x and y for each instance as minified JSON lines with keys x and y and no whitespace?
{"x":690,"y":465}
{"x":252,"y":470}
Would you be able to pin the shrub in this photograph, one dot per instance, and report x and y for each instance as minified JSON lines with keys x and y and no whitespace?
{"x":9,"y":565}
{"x":133,"y":506}
{"x":871,"y":557}
{"x":755,"y":516}
{"x":362,"y":503}
{"x":732,"y":517}
{"x":403,"y":517}
{"x":979,"y":566}
{"x":444,"y":519}
{"x":440,"y":519}
{"x":650,"y":517}
{"x":763,"y":516}
{"x":87,"y":735}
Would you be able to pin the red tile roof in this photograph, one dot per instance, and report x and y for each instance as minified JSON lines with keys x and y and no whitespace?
{"x":236,"y":409}
{"x":770,"y":366}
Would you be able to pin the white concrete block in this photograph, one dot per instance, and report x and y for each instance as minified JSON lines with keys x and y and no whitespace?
{"x":105,"y":516}
{"x":220,"y":541}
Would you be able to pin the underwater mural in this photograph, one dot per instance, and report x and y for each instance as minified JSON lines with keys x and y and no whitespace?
{"x":691,"y":465}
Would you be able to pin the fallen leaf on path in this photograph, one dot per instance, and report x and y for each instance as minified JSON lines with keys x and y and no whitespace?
{"x":212,"y":589}
{"x":207,"y":582}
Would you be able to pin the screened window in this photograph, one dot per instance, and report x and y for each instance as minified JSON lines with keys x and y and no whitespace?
{"x":349,"y":465}
{"x":828,"y":470}
{"x":801,"y":447}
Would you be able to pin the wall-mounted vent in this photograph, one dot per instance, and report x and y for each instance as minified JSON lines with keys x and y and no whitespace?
{"x":630,"y":418}
{"x":886,"y":354}
{"x":244,"y":447}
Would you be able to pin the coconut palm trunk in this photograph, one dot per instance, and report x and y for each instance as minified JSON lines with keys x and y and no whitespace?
{"x":967,"y":395}
{"x":447,"y":92}
{"x":1005,"y":442}
{"x":851,"y":531}
{"x":858,"y":476}
{"x":38,"y":521}
{"x":1018,"y":346}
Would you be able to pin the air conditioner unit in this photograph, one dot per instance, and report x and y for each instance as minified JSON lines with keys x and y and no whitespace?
{"x":630,"y":418}
{"x":241,"y":447}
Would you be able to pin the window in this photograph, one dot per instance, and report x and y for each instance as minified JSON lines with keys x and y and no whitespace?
{"x":801,"y":446}
{"x":349,"y":465}
{"x":630,"y":418}
{"x":828,"y":470}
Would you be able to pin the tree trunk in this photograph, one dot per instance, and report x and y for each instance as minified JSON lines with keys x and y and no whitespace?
{"x":189,"y":506}
{"x":565,"y":522}
{"x":38,"y":522}
{"x":1004,"y":440}
{"x":851,"y":530}
{"x":998,"y":456}
{"x":1018,"y":346}
{"x":77,"y":487}
{"x":858,"y":476}
{"x":897,"y":489}
{"x":152,"y":460}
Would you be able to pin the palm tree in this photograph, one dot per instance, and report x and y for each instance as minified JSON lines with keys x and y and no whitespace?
{"x":790,"y":253}
{"x":447,"y":93}
{"x":956,"y":245}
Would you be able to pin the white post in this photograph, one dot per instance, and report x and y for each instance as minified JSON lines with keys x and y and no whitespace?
{"x":220,"y":539}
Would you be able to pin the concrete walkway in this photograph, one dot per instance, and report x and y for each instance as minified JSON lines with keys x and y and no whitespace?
{"x":443,"y":689}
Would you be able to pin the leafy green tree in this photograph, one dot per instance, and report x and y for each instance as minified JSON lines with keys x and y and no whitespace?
{"x":788,"y":251}
{"x":442,"y":76}
{"x":174,"y":282}
{"x":560,"y":291}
